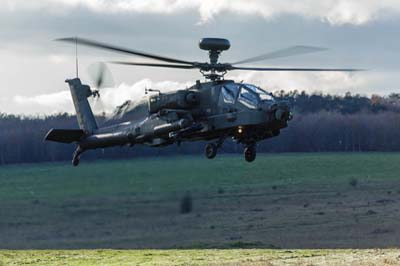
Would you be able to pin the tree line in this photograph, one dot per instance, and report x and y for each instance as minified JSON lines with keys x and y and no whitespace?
{"x":322,"y":123}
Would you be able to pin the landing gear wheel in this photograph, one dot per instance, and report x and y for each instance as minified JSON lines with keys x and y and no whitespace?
{"x":250,"y":153}
{"x":75,"y":161}
{"x":210,"y":150}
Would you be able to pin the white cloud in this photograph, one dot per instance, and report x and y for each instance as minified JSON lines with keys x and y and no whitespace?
{"x":332,"y":82}
{"x":53,"y":103}
{"x":335,"y":12}
{"x":110,"y":98}
{"x":58,"y":59}
{"x":327,"y":82}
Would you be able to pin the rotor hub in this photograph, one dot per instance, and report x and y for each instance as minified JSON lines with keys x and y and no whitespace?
{"x":214,"y":46}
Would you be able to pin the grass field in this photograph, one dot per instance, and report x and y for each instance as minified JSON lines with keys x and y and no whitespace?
{"x":243,"y":214}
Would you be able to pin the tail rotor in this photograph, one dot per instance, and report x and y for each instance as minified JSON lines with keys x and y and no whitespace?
{"x":101,"y":78}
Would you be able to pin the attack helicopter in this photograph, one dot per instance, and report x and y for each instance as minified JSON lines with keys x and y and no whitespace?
{"x":211,"y":111}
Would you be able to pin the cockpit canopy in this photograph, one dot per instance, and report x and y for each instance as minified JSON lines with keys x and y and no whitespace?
{"x":247,"y":94}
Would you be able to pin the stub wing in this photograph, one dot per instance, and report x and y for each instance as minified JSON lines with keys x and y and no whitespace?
{"x":65,"y":135}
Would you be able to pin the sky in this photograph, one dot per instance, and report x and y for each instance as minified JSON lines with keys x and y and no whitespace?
{"x":360,"y":34}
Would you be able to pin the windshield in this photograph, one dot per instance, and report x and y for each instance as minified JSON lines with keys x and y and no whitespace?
{"x":230,"y":92}
{"x":264,"y":96}
{"x":246,"y":94}
{"x":248,"y":97}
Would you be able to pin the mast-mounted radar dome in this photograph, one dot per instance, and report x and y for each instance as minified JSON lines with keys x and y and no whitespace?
{"x":215,"y":44}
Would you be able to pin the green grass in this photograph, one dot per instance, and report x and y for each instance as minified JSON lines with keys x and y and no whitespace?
{"x":54,"y":183}
{"x":163,"y":175}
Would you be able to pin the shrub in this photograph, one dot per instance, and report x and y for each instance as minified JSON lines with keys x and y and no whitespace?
{"x":186,"y":203}
{"x":353,"y":182}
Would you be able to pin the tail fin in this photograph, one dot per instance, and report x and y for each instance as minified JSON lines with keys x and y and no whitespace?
{"x":84,"y":114}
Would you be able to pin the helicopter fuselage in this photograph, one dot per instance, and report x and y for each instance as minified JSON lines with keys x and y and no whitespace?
{"x":205,"y":111}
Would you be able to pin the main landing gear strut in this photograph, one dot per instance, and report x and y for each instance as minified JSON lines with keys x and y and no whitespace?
{"x":77,"y":156}
{"x":250,"y":151}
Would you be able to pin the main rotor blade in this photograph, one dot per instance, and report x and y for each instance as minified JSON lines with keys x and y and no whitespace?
{"x":121,"y":50}
{"x":153,"y":65}
{"x":297,"y":69}
{"x":290,"y":51}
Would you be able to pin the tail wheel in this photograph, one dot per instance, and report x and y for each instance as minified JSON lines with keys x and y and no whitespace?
{"x":76,"y":156}
{"x":75,"y":161}
{"x":250,"y":153}
{"x":210,"y":150}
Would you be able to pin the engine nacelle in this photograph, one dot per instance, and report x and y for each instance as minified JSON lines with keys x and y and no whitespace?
{"x":182,"y":99}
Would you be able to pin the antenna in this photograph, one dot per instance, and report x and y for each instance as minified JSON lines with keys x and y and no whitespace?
{"x":76,"y":57}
